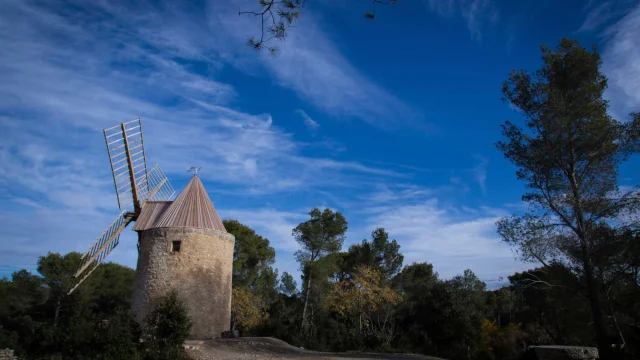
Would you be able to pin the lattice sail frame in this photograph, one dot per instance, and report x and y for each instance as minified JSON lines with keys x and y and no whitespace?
{"x":127,"y":157}
{"x":102,"y":247}
{"x":158,"y":181}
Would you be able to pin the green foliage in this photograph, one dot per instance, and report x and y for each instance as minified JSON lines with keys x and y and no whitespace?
{"x":108,"y":288}
{"x":442,"y":318}
{"x":321,"y":235}
{"x":556,"y":312}
{"x":252,"y":258}
{"x":118,"y":336}
{"x":568,"y":155}
{"x":168,"y":324}
{"x":38,"y":320}
{"x":379,"y":253}
{"x":363,"y":300}
{"x":288,"y":285}
{"x":255,"y":282}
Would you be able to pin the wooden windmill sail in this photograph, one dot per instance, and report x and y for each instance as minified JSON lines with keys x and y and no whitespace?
{"x":134,"y":184}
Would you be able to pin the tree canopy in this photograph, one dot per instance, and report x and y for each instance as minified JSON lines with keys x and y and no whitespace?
{"x":568,"y":156}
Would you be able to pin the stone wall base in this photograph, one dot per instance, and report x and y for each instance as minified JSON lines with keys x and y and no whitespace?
{"x":559,"y":352}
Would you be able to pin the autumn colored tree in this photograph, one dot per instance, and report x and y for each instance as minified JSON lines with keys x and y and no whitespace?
{"x":499,"y":342}
{"x":366,"y":300}
{"x":247,"y":309}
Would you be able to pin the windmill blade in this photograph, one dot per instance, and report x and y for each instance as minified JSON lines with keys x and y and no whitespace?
{"x":158,"y":181}
{"x":125,"y":145}
{"x":101,"y":248}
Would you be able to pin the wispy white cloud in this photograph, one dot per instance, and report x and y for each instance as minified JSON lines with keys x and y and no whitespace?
{"x":68,"y":74}
{"x":480,"y":173}
{"x":277,"y":226}
{"x":309,"y":63}
{"x":308,"y":121}
{"x":32,"y":234}
{"x":597,"y":15}
{"x":44,"y":78}
{"x":452,"y":239}
{"x":621,"y":64}
{"x":271,"y":223}
{"x":383,"y":194}
{"x":476,"y":13}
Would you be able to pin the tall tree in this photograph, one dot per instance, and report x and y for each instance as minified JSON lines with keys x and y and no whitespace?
{"x":551,"y":307}
{"x":288,"y":285}
{"x":57,"y":271}
{"x":367,"y":304}
{"x":319,"y":236}
{"x":253,"y":258}
{"x":568,"y":156}
{"x":379,"y":253}
{"x":247,"y":310}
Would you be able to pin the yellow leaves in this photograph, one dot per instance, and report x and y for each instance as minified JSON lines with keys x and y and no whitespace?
{"x":246,"y":309}
{"x":489,"y":330}
{"x":362,"y":294}
{"x":489,"y":327}
{"x":493,"y":337}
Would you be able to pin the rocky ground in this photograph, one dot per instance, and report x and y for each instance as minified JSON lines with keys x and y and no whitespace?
{"x":270,"y":348}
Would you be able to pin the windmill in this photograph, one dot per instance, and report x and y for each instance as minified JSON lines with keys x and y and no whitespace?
{"x":134,"y":186}
{"x":182,"y":243}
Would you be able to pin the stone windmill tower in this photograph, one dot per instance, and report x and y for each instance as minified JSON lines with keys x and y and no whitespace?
{"x":182,"y":244}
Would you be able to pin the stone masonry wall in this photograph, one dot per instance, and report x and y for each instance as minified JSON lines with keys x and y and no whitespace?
{"x":200,"y":272}
{"x":7,"y":354}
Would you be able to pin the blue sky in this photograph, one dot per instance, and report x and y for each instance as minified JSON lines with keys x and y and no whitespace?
{"x":392,"y":121}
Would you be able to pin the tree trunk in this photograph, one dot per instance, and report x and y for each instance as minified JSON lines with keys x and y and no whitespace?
{"x":602,"y":340}
{"x":615,"y":321}
{"x":56,"y":313}
{"x":306,"y":302}
{"x":604,"y":350}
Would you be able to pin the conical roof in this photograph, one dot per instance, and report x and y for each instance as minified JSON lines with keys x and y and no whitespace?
{"x":151,"y":212}
{"x":192,"y":208}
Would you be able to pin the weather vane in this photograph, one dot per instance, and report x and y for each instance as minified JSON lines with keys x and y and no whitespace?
{"x":194,"y":170}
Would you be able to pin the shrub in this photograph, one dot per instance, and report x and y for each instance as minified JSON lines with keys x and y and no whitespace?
{"x":167,"y":327}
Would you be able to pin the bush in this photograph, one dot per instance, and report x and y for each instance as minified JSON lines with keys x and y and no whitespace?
{"x":167,"y":327}
{"x":119,"y":336}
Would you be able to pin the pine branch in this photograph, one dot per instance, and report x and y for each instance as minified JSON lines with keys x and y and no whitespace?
{"x":277,"y":16}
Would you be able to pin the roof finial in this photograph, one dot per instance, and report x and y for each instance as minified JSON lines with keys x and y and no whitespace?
{"x":194,"y":170}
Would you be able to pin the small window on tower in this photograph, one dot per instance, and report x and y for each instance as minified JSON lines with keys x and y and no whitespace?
{"x":175,"y":246}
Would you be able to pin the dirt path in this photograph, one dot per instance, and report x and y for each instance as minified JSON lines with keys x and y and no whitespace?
{"x":260,"y":348}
